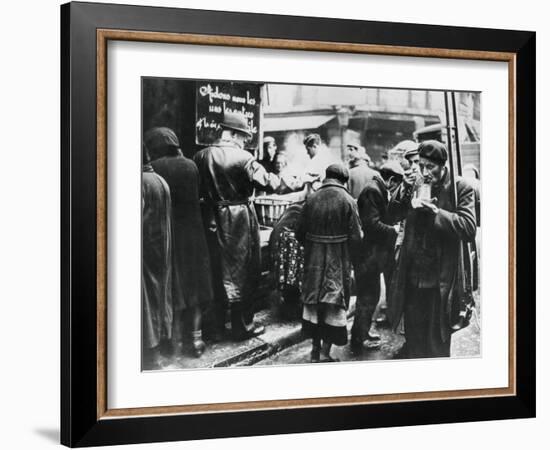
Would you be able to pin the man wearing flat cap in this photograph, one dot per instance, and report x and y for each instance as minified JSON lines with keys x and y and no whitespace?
{"x":379,"y":233}
{"x":407,"y":152}
{"x":424,"y":287}
{"x":228,"y":175}
{"x":330,"y":231}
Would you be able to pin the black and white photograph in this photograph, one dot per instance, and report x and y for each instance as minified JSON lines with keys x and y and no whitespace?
{"x":297,"y":224}
{"x":258,"y":225}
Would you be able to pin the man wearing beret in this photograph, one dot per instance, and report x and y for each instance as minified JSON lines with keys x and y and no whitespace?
{"x":330,"y":231}
{"x":228,"y":175}
{"x":424,"y":288}
{"x":379,"y":235}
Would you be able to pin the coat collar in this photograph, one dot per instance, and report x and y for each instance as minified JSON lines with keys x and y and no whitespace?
{"x":382,"y":185}
{"x":227,"y":143}
{"x":358,"y":163}
{"x":332,"y":183}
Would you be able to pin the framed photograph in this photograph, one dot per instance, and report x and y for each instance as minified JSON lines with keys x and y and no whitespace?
{"x":278,"y":224}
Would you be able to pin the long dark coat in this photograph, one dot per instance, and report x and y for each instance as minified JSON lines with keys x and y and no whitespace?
{"x":228,"y":176}
{"x":156,"y":261}
{"x":449,"y":227}
{"x":330,"y":231}
{"x":379,"y":235}
{"x":192,"y":283}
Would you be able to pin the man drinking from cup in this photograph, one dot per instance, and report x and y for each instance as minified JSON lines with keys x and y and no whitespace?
{"x":424,"y":287}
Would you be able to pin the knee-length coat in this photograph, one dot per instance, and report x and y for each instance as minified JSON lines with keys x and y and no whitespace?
{"x":228,"y":176}
{"x":330,"y":231}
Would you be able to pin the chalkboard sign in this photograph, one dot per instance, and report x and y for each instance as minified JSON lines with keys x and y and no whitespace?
{"x":214,"y":97}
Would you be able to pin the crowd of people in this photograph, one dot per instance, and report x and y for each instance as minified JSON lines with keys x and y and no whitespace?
{"x":405,"y":223}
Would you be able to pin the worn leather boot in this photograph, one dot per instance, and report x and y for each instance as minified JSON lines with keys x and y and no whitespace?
{"x":240,"y":330}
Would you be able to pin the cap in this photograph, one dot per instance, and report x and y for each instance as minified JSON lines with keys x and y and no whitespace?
{"x":434,"y":151}
{"x":338,"y":171}
{"x":393,"y":167}
{"x":160,"y":137}
{"x":407,"y":148}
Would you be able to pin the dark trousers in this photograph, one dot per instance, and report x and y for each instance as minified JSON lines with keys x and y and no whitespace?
{"x":422,"y":324}
{"x":368,"y":294}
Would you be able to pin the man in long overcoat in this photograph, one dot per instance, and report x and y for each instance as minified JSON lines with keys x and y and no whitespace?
{"x":192,"y":284}
{"x":425,"y":285}
{"x":156,"y":266}
{"x":377,"y":247}
{"x":228,"y":176}
{"x":330,"y":231}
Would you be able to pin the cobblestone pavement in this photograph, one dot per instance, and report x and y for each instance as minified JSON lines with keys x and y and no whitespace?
{"x":282,"y":344}
{"x":465,"y":343}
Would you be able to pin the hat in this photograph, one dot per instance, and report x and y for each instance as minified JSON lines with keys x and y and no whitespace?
{"x":338,"y":171}
{"x":411,"y":152}
{"x":434,"y":151}
{"x":311,"y":139}
{"x":392,"y":167}
{"x":269,"y":139}
{"x":236,"y":122}
{"x":160,"y":137}
{"x":407,"y":147}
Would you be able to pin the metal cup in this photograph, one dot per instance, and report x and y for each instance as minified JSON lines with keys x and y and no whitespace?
{"x":425,"y":191}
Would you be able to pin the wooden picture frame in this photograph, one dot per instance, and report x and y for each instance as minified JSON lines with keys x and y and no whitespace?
{"x":85,"y":30}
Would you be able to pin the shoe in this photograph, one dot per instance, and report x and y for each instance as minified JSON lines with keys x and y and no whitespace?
{"x":198,"y":347}
{"x":256,"y":330}
{"x":382,"y":319}
{"x":315,"y":354}
{"x":368,"y":344}
{"x":371,"y":344}
{"x":373,"y":337}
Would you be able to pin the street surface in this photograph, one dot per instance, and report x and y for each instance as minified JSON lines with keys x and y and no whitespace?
{"x":464,"y":343}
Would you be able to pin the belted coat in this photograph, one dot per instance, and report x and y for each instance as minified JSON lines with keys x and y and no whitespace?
{"x":228,"y":176}
{"x":330,"y":231}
